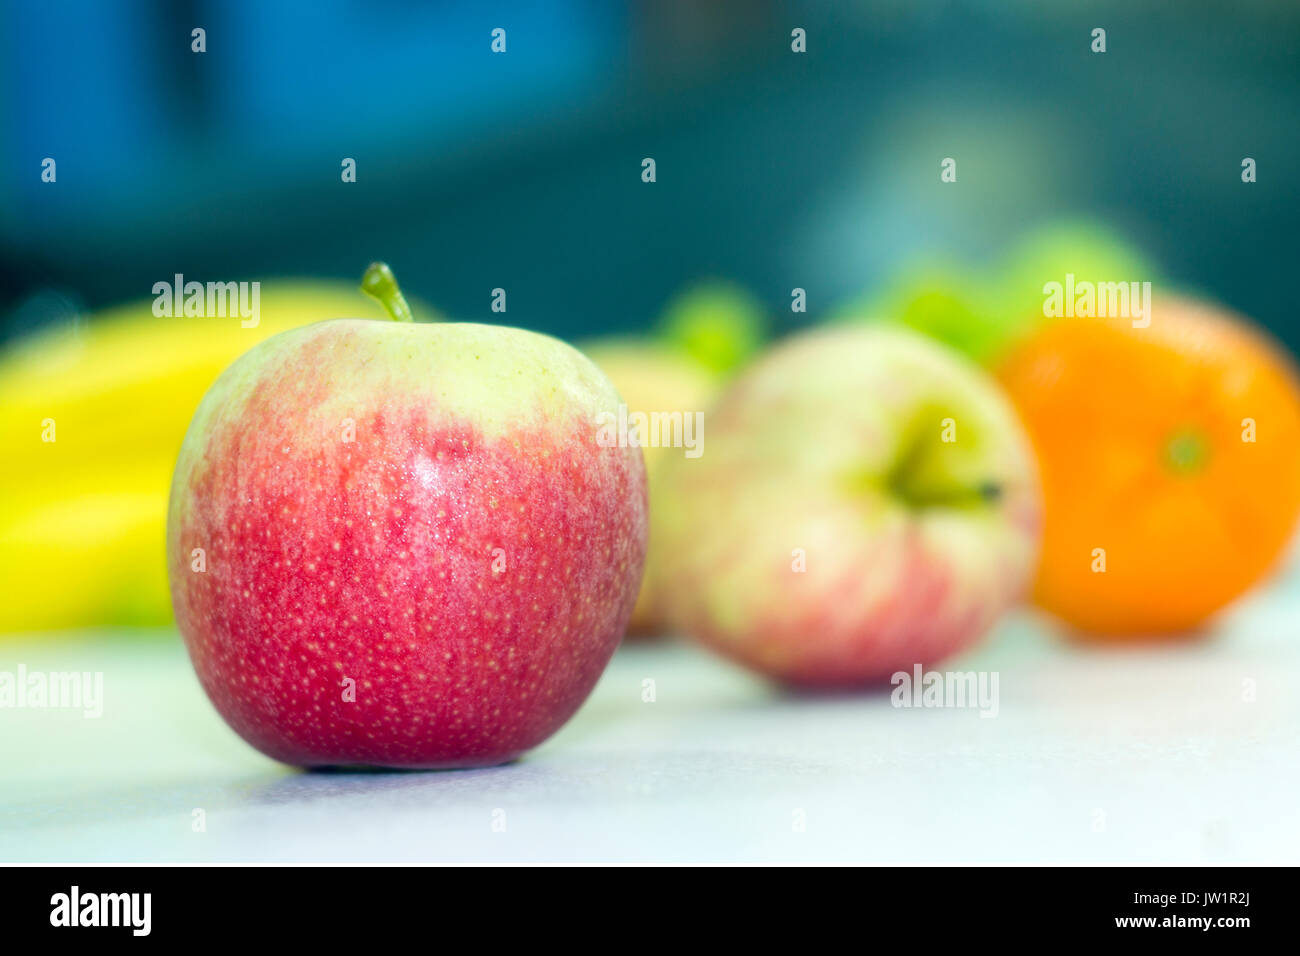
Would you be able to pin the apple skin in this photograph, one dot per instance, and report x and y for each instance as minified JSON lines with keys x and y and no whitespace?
{"x":833,"y":444}
{"x":376,"y":559}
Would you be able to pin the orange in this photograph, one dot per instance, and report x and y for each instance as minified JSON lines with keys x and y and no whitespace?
{"x":1170,"y":463}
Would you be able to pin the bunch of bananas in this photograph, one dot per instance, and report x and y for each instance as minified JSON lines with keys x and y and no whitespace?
{"x":91,"y":418}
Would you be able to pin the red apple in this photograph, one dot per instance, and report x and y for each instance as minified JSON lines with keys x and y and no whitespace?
{"x":866,"y":501}
{"x":401,"y":545}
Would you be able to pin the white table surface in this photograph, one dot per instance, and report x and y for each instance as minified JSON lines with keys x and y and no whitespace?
{"x":1153,"y":754}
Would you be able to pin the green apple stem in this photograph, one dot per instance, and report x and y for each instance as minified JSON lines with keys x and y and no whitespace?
{"x":380,"y":283}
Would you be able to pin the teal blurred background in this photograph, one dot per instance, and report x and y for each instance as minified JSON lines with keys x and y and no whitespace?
{"x":522,"y":170}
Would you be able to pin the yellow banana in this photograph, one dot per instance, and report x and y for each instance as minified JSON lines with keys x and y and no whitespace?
{"x":90,"y":420}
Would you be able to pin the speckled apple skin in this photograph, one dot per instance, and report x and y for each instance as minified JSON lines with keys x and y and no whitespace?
{"x":796,"y":458}
{"x":418,"y":516}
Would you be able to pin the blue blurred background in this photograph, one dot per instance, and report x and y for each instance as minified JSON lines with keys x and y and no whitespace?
{"x":522,"y":170}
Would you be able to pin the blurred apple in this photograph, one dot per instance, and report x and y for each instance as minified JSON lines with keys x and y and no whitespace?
{"x":866,"y":501}
{"x":706,"y":333}
{"x":651,"y":377}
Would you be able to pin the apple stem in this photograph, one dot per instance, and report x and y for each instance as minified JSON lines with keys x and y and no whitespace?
{"x":380,"y":283}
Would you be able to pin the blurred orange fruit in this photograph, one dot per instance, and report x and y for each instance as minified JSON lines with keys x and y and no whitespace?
{"x":1170,"y":460}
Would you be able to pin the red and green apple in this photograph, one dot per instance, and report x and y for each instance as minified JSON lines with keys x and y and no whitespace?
{"x":866,"y":501}
{"x":401,"y":545}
